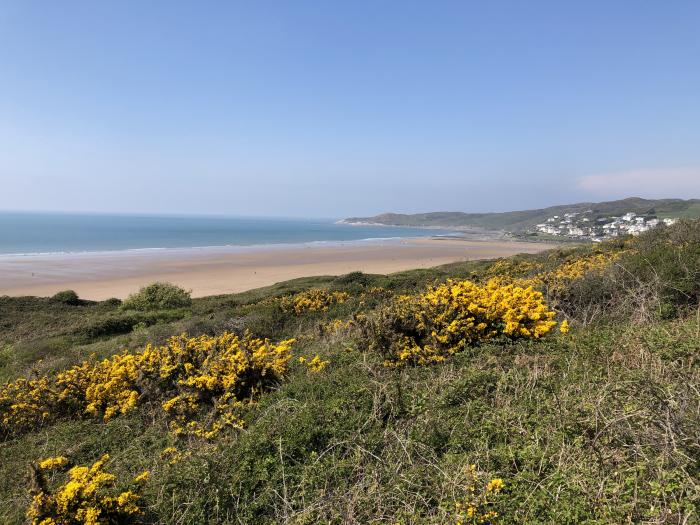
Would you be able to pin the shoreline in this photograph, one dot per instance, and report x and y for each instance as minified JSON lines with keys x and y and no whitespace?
{"x":213,"y":249}
{"x":232,"y":269}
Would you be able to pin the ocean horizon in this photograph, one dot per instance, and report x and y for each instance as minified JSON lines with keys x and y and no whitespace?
{"x":33,"y":233}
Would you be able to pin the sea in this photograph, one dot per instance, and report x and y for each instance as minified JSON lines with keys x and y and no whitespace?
{"x":23,"y":233}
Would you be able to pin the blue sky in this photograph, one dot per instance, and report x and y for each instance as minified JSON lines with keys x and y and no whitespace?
{"x":345,"y":108}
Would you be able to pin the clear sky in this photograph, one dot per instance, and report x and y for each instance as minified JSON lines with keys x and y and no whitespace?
{"x":313,"y":108}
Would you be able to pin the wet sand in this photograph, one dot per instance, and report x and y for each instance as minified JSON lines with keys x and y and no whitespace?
{"x":220,"y":270}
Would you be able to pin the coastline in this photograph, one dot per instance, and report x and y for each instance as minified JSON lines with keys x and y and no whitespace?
{"x":231,"y":269}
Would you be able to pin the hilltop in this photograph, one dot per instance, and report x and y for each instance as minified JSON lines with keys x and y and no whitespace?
{"x":560,"y":387}
{"x":522,"y":221}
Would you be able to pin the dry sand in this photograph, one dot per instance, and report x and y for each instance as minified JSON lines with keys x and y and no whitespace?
{"x":223,"y":270}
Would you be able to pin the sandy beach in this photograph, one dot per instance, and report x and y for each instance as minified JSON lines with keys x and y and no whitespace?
{"x":211,"y":271}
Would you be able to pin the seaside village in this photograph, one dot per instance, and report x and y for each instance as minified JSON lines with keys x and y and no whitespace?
{"x":582,"y":225}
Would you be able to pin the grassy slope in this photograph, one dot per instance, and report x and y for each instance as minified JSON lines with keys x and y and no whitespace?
{"x":520,"y":220}
{"x":599,"y":426}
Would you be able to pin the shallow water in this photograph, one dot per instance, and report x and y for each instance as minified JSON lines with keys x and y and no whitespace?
{"x":34,"y":233}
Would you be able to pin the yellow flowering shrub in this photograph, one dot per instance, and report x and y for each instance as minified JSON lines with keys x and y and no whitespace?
{"x":25,"y":403}
{"x":216,"y":375}
{"x":313,"y":300}
{"x":173,"y":456}
{"x":315,"y":364}
{"x":373,"y":295}
{"x":53,"y":463}
{"x":513,"y":268}
{"x":477,"y":505}
{"x":341,"y":326}
{"x":336,"y":325}
{"x":555,"y":281}
{"x":378,"y":291}
{"x":88,"y":496}
{"x":445,"y":319}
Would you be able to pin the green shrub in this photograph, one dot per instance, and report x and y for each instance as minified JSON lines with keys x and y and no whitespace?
{"x":591,"y":298}
{"x":657,"y":277}
{"x":158,"y":296}
{"x":109,"y":326}
{"x":125,"y":322}
{"x":353,"y":278}
{"x":669,"y":260}
{"x":112,"y":301}
{"x":67,"y":297}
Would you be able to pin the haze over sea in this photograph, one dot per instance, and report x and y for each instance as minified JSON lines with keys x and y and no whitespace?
{"x":40,"y":233}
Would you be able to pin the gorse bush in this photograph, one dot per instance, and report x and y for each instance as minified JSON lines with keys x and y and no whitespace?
{"x":87,"y":498}
{"x":449,"y":317}
{"x":553,"y":277}
{"x":654,"y":275}
{"x":158,"y":296}
{"x":211,"y":377}
{"x":477,"y":505}
{"x":313,"y":365}
{"x":314,"y":300}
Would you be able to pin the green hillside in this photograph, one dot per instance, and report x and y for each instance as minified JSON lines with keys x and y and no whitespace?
{"x":558,"y":388}
{"x":515,"y":221}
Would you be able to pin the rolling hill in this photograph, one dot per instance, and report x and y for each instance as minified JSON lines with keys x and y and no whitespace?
{"x":516,"y":221}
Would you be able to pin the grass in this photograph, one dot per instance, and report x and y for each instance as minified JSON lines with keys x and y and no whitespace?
{"x":601,"y":425}
{"x":691,"y":212}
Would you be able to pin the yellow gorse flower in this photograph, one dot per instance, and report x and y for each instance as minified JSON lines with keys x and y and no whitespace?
{"x":173,"y":456}
{"x":52,"y":463}
{"x":143,"y":477}
{"x":313,"y":300}
{"x":219,"y":373}
{"x":495,"y":485}
{"x":477,"y":505}
{"x":572,"y":270}
{"x":555,"y":280}
{"x":451,"y":316}
{"x":87,"y":496}
{"x":315,"y":364}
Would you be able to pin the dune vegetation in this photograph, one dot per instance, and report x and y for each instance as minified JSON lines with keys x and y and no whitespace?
{"x":562,"y":387}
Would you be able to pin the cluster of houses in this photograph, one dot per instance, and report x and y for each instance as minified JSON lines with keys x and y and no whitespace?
{"x":584,"y":225}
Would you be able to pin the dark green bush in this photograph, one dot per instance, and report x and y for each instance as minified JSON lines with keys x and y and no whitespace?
{"x":267,"y":320}
{"x":110,"y":326}
{"x":67,"y":297}
{"x":124,"y":322}
{"x":112,"y":301}
{"x":591,"y":298}
{"x":353,"y":278}
{"x":158,"y":296}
